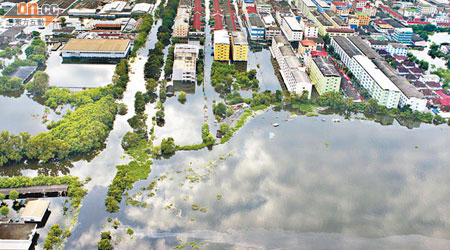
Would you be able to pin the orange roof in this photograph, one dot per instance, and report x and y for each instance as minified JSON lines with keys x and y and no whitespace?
{"x":308,"y":43}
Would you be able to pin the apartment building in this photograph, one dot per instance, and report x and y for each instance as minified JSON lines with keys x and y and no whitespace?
{"x":399,"y":49}
{"x":271,"y":28}
{"x":185,"y":62}
{"x":310,"y":29}
{"x":181,"y":25}
{"x":255,"y":27}
{"x":305,"y":6}
{"x":402,"y":35}
{"x":340,"y":8}
{"x":294,"y":77}
{"x":363,"y":18}
{"x":292,"y":29}
{"x":324,"y":75}
{"x":239,"y":46}
{"x":375,"y":82}
{"x":221,"y":45}
{"x":306,"y":46}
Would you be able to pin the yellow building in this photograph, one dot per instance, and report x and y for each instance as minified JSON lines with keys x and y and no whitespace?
{"x":306,"y":46}
{"x":353,"y":21}
{"x":239,"y":46}
{"x":363,"y":18}
{"x":340,"y":8}
{"x":221,"y":45}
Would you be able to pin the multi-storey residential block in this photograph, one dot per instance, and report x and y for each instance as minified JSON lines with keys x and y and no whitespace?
{"x":263,"y":6}
{"x":295,"y":79}
{"x":354,"y":45}
{"x":324,"y":75}
{"x":402,"y":35}
{"x":271,"y":28}
{"x":239,"y":46}
{"x":363,"y":18}
{"x":340,"y":8}
{"x":322,"y":22}
{"x":352,"y":21}
{"x":306,"y":46}
{"x":322,"y":5}
{"x":181,"y":25}
{"x":255,"y":28}
{"x":397,"y":49}
{"x":375,"y":82}
{"x":221,"y":45}
{"x":358,"y":4}
{"x":306,"y":6}
{"x":292,"y":29}
{"x":185,"y":62}
{"x":310,"y":29}
{"x":427,"y":9}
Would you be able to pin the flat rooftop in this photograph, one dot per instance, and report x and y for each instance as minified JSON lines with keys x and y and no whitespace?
{"x":24,"y":72}
{"x":292,"y":23}
{"x":16,"y":231}
{"x":221,"y":36}
{"x":256,"y":21}
{"x":322,"y":19}
{"x":363,"y":47}
{"x":280,"y":39}
{"x":326,"y":66}
{"x":96,"y":45}
{"x":36,"y":208}
{"x":239,"y":38}
{"x":347,"y":46}
{"x":375,"y":73}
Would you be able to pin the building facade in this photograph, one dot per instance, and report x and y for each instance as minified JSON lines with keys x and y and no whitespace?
{"x":292,"y":29}
{"x":402,"y":35}
{"x":324,"y":75}
{"x":397,"y":49}
{"x":185,"y":62}
{"x":221,"y":45}
{"x":239,"y":46}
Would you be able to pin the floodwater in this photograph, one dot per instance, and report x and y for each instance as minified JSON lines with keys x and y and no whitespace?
{"x":307,"y":184}
{"x":437,"y":38}
{"x":77,"y":75}
{"x":23,"y":114}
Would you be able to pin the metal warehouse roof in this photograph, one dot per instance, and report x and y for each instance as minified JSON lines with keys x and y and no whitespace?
{"x":96,"y":45}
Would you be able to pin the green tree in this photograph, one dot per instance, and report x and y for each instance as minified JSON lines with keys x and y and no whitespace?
{"x":168,"y":146}
{"x":13,"y":195}
{"x":4,"y":211}
{"x":151,"y":85}
{"x":182,"y":97}
{"x":2,"y":197}
{"x":39,"y":84}
{"x":220,"y":109}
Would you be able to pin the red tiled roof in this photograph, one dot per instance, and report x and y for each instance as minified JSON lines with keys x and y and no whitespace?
{"x":251,"y":9}
{"x":319,"y":53}
{"x":339,"y":4}
{"x":443,"y":24}
{"x":218,"y":22}
{"x":417,"y":22}
{"x":391,"y":12}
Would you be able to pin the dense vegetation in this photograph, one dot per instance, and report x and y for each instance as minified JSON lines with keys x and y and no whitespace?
{"x":53,"y":237}
{"x":36,"y":55}
{"x":9,"y":52}
{"x":76,"y":191}
{"x":425,"y":30}
{"x":79,"y":132}
{"x":155,"y":61}
{"x":144,"y":30}
{"x":225,"y":78}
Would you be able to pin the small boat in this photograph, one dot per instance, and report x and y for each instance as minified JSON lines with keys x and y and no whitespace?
{"x":323,"y":120}
{"x":336,"y":120}
{"x":276,"y":124}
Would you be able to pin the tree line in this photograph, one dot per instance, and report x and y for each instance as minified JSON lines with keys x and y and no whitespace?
{"x":79,"y":132}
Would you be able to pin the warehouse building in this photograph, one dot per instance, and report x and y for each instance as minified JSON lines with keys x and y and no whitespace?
{"x":35,"y":210}
{"x":17,"y":236}
{"x":96,"y":50}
